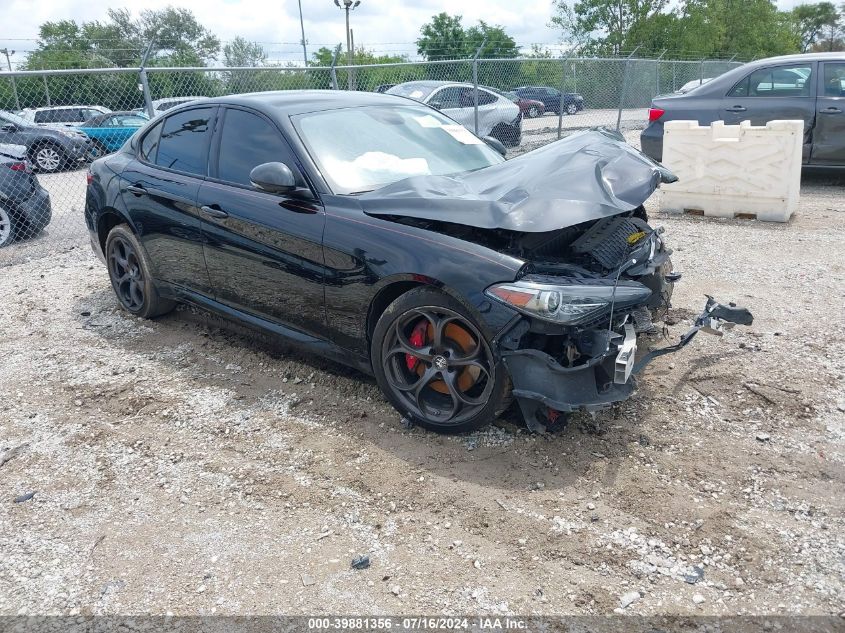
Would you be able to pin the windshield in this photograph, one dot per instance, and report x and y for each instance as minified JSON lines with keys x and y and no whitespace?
{"x":361,"y":149}
{"x":413,"y":89}
{"x":14,"y":118}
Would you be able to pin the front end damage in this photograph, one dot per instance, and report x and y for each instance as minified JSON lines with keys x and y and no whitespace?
{"x":596,"y":276}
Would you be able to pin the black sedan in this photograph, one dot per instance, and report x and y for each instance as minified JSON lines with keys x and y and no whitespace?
{"x":376,"y":231}
{"x":24,"y":203}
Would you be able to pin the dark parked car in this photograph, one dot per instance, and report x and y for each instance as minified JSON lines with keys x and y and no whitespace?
{"x":552,"y":98}
{"x":48,"y":149}
{"x":808,"y":87}
{"x":24,"y":203}
{"x":374,"y":230}
{"x":530,"y":108}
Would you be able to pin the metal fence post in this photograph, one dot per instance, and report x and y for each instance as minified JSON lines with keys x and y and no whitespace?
{"x":46,"y":87}
{"x":475,"y":83}
{"x":145,"y":85}
{"x":333,"y":70}
{"x":624,"y":89}
{"x":657,"y":73}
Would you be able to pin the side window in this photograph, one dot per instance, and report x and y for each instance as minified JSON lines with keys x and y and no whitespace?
{"x":447,"y":98}
{"x":784,"y":81}
{"x":247,"y":141}
{"x":149,"y":144}
{"x":184,"y":141}
{"x":834,"y":80}
{"x":485,"y":98}
{"x":44,"y":116}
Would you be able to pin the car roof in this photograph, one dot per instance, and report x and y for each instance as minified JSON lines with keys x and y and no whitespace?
{"x":302,"y":101}
{"x":63,"y":107}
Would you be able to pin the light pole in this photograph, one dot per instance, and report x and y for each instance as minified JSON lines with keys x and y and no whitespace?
{"x":347,"y":6}
{"x":7,"y":52}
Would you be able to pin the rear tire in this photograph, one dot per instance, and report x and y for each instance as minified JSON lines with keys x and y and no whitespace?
{"x":130,"y":273}
{"x":571,"y":109}
{"x":48,"y":158}
{"x":533,"y":112}
{"x":435,"y":365}
{"x":9,"y":227}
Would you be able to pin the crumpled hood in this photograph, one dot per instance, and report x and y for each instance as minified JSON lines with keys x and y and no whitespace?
{"x":586,"y":176}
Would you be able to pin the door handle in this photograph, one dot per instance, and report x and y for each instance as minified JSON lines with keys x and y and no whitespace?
{"x":137,"y":190}
{"x":214,"y":211}
{"x":736,"y":108}
{"x":832,"y":110}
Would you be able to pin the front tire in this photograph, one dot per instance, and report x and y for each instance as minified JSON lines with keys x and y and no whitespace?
{"x":533,"y":112}
{"x":434,"y":364}
{"x":571,"y":109}
{"x":131,"y":275}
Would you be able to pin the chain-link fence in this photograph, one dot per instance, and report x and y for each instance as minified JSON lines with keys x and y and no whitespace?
{"x":53,"y":122}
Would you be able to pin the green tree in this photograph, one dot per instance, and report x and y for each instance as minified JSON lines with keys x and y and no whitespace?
{"x":240,"y":52}
{"x":812,"y":20}
{"x":497,"y":43}
{"x":442,"y":38}
{"x":605,"y":26}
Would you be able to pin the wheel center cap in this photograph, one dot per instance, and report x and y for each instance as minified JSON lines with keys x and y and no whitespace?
{"x":440,"y":362}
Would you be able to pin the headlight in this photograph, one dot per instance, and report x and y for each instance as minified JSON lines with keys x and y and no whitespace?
{"x":568,"y":303}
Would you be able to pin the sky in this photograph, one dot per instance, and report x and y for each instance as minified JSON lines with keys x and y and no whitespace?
{"x":385,"y":26}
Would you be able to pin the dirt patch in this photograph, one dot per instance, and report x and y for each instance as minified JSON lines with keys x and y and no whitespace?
{"x":185,"y":465}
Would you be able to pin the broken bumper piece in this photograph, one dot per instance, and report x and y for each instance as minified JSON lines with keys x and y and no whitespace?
{"x":542,"y":384}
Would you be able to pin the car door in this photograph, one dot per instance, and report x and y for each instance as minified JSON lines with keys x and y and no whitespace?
{"x":264,"y":250}
{"x":829,"y":133}
{"x":775,"y":92}
{"x":12,"y":132}
{"x":451,"y":102}
{"x":159,"y":190}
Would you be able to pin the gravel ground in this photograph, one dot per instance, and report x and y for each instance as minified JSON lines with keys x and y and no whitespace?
{"x":185,"y":465}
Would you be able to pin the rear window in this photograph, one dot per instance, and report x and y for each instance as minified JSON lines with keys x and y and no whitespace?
{"x":65,"y":115}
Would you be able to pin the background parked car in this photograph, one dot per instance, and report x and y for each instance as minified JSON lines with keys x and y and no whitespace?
{"x":808,"y":87}
{"x":24,"y":203}
{"x":530,"y":108}
{"x":498,"y":116}
{"x":109,"y":131}
{"x":48,"y":149}
{"x":383,"y":87}
{"x":552,"y":98}
{"x":62,"y":116}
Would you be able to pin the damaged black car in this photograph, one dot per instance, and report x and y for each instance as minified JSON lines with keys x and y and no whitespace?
{"x":378,"y":232}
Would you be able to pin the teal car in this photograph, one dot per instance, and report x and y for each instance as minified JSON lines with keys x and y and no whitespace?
{"x":109,"y":131}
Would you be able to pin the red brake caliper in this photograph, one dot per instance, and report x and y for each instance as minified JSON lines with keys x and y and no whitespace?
{"x":417,"y":339}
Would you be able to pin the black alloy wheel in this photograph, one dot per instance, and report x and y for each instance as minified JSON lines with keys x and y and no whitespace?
{"x":130,"y":276}
{"x":436,"y":367}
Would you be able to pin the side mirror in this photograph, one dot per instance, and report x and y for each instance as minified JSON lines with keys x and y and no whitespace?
{"x":9,"y":127}
{"x":273,"y":177}
{"x":437,"y":105}
{"x":495,"y":143}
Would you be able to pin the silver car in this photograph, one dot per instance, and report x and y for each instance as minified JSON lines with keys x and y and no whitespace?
{"x":808,"y":87}
{"x":498,"y":116}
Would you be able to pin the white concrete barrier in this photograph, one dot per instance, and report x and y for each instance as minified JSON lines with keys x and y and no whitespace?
{"x":732,"y":171}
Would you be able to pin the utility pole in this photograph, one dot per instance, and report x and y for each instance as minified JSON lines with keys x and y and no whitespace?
{"x":302,"y":27}
{"x":348,"y":5}
{"x":7,"y":53}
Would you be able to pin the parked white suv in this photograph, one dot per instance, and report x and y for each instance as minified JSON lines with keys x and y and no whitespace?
{"x":62,"y":116}
{"x":498,"y":116}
